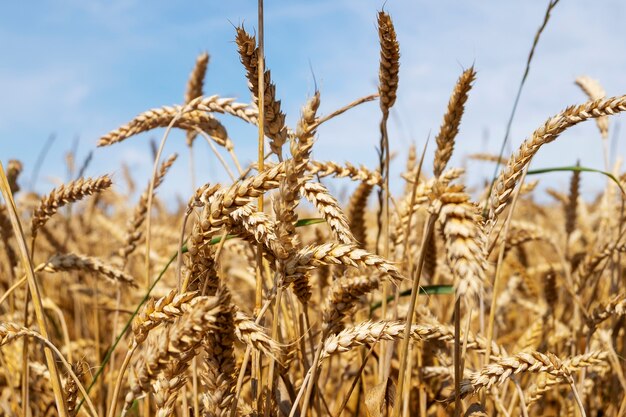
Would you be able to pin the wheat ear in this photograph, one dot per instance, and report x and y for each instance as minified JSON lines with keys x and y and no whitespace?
{"x":176,"y":346}
{"x":75,"y":262}
{"x":219,"y":377}
{"x":340,"y":254}
{"x":66,"y":194}
{"x":330,"y":210}
{"x":548,"y":132}
{"x":133,"y":229}
{"x":163,"y":117}
{"x":572,"y":365}
{"x":356,"y":212}
{"x":346,"y":170}
{"x":463,"y":241}
{"x":274,"y":126}
{"x":156,"y":312}
{"x":498,"y":372}
{"x":452,"y":120}
{"x":371,"y":331}
{"x":389,"y":62}
{"x":595,"y":91}
{"x":195,"y":86}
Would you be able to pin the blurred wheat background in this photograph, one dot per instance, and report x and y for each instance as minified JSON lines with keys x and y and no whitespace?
{"x":312,"y":209}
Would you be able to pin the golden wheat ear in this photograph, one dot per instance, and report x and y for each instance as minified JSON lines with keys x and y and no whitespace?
{"x":66,"y":194}
{"x":274,"y":126}
{"x":195,"y":87}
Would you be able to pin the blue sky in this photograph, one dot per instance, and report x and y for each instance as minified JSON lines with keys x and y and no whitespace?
{"x":79,"y":68}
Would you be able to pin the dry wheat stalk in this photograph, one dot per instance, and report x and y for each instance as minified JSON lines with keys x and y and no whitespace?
{"x":452,"y":120}
{"x":75,"y":262}
{"x":66,"y":194}
{"x":274,"y":119}
{"x":195,"y":86}
{"x":548,"y":132}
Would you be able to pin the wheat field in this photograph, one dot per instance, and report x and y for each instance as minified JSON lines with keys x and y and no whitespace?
{"x":269,"y":296}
